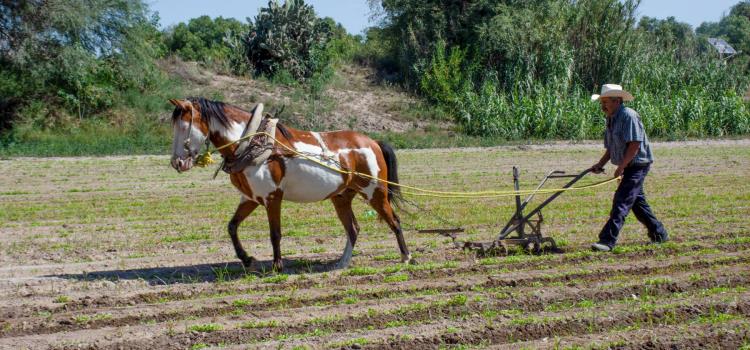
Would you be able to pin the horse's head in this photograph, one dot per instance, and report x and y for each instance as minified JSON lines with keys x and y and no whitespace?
{"x":190,"y":131}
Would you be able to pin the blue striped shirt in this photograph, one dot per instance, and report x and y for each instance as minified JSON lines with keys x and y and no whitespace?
{"x":623,"y":127}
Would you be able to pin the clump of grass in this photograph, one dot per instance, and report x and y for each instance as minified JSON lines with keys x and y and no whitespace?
{"x":457,"y":300}
{"x":716,"y":318}
{"x":205,"y":328}
{"x":361,"y":271}
{"x":81,"y":319}
{"x":409,"y":308}
{"x":387,"y":256}
{"x":61,"y":299}
{"x":350,"y":300}
{"x":242,"y":302}
{"x":280,"y":299}
{"x":396,"y":323}
{"x":401,"y":277}
{"x":260,"y":324}
{"x":280,"y":278}
{"x":657,"y":281}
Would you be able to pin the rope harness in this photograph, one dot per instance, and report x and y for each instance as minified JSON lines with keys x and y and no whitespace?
{"x":206,"y":159}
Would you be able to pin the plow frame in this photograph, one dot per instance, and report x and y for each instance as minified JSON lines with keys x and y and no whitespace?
{"x":527,"y":227}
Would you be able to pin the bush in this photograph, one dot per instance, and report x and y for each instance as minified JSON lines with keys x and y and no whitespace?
{"x":286,"y":38}
{"x":217,"y":42}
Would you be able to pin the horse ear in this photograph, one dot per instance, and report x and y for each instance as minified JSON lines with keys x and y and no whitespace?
{"x":183,"y":104}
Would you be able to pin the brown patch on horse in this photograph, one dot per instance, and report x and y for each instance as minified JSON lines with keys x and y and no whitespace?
{"x":240,"y":182}
{"x":277,"y":168}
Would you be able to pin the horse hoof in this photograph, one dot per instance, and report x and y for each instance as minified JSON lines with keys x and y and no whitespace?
{"x":341,"y":265}
{"x":277,"y":266}
{"x":248,"y":262}
{"x":407,"y":259}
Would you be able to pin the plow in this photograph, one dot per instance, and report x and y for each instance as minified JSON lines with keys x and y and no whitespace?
{"x":522,"y":229}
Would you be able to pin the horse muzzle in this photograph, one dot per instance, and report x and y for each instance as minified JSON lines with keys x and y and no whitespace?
{"x":181,"y":164}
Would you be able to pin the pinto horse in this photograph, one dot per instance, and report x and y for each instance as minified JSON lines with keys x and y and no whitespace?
{"x":287,"y":177}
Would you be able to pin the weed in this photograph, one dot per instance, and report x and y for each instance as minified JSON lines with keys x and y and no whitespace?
{"x":350,"y":300}
{"x":401,"y":277}
{"x":657,"y":281}
{"x":260,"y":324}
{"x":361,"y":271}
{"x":457,"y":300}
{"x":242,"y":302}
{"x":280,"y":278}
{"x":205,"y":328}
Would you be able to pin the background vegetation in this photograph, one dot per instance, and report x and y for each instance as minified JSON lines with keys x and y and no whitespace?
{"x":524,"y":69}
{"x":83,"y":77}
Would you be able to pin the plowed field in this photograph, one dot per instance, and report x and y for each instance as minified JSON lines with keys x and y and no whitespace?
{"x":125,"y":253}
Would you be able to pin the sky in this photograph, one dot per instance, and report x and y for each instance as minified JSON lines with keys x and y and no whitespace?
{"x":354,"y":15}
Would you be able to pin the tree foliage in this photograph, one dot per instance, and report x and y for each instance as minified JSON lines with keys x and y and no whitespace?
{"x":74,"y":56}
{"x":216,"y":42}
{"x":288,"y":38}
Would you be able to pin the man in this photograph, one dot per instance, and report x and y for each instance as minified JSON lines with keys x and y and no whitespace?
{"x":628,"y":148}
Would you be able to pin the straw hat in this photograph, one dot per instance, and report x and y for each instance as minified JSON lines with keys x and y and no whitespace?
{"x":613,"y":90}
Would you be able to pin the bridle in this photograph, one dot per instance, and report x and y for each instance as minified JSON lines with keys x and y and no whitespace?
{"x":186,"y":145}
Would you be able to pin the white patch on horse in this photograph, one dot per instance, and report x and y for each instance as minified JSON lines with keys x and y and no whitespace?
{"x":372,"y":165}
{"x":181,"y":133}
{"x":305,"y":181}
{"x":231,"y":133}
{"x":260,"y":180}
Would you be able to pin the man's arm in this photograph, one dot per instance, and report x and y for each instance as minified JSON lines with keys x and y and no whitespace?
{"x":630,"y":153}
{"x":598,"y":168}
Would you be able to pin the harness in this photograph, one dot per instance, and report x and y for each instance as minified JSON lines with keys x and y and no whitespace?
{"x":254,"y":150}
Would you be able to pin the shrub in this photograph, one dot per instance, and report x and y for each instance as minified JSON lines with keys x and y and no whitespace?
{"x":288,"y":38}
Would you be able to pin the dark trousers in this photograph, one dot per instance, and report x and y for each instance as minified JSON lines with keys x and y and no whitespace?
{"x":629,"y":195}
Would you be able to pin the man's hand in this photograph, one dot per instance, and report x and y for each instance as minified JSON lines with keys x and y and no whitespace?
{"x":619,"y":171}
{"x":597,"y":168}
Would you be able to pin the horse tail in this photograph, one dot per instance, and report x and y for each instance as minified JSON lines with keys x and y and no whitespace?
{"x":394,"y":191}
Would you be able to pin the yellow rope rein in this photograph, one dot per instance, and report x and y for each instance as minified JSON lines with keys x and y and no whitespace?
{"x":206,"y":159}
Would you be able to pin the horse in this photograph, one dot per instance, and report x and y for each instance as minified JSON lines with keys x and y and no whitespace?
{"x":285,"y":176}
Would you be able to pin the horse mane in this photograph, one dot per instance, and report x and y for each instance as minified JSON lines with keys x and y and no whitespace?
{"x":284,"y":130}
{"x":213,"y":110}
{"x":216,"y":110}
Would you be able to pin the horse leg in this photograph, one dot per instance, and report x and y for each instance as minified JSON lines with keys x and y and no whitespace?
{"x":343,"y":205}
{"x":273,"y":209}
{"x":243,"y":210}
{"x":382,"y":206}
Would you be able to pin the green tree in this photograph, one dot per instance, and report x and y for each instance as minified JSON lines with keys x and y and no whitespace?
{"x":213,"y":41}
{"x":288,"y":38}
{"x":75,"y":54}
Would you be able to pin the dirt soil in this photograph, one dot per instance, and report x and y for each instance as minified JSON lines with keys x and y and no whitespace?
{"x":124,"y":253}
